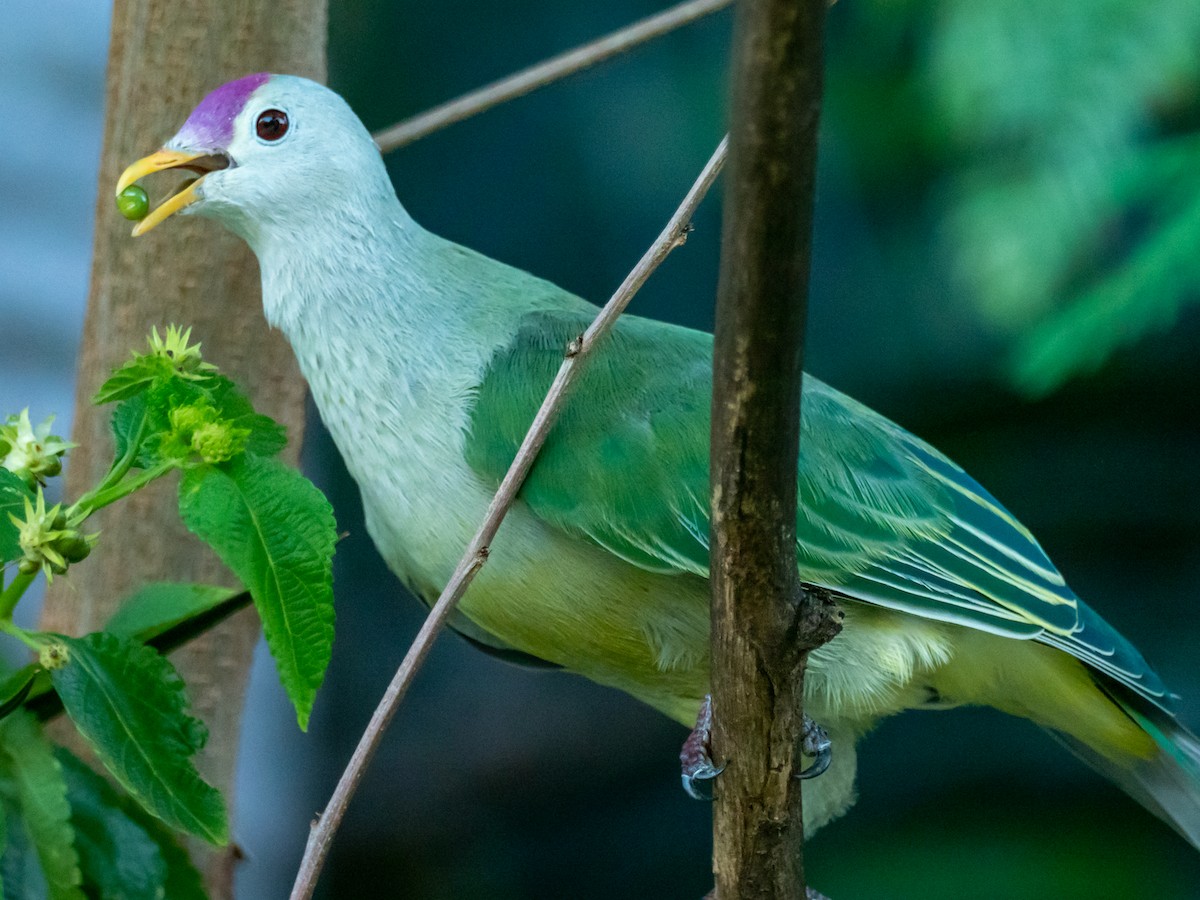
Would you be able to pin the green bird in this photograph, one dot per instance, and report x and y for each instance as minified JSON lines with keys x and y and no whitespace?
{"x":428,"y":360}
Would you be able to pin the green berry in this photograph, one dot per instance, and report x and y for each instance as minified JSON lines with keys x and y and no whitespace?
{"x":133,"y":203}
{"x":74,"y":547}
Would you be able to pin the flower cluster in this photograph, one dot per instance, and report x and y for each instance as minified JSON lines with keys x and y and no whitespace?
{"x":199,"y":428}
{"x":175,"y":347}
{"x":49,"y":540}
{"x":32,"y":453}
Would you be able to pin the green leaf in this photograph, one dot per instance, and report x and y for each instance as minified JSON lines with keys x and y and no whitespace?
{"x":129,"y":424}
{"x":124,"y":852}
{"x":276,"y":531}
{"x":160,"y":400}
{"x":1141,"y":296}
{"x":130,"y":705}
{"x":13,"y":493}
{"x":27,"y":761}
{"x":154,"y":619}
{"x":20,"y":870}
{"x":147,"y":417}
{"x":163,"y":605}
{"x":1069,"y":213}
{"x":16,"y":687}
{"x":3,"y":846}
{"x":267,"y":437}
{"x":133,"y":378}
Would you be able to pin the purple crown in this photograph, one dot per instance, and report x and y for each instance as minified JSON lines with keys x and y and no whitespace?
{"x":210,"y":126}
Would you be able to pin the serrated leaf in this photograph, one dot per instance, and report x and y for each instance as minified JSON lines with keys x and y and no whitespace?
{"x":146,"y":417}
{"x":118,"y":858}
{"x":163,"y":605}
{"x":267,"y":437}
{"x":276,"y":531}
{"x":204,"y":610}
{"x":28,"y":762}
{"x":130,"y":705}
{"x":159,"y":401}
{"x":124,"y":852}
{"x":133,"y":378}
{"x":13,"y":493}
{"x":20,"y":871}
{"x":130,"y":420}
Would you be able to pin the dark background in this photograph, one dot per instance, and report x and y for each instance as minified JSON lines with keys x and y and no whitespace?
{"x":1007,"y":195}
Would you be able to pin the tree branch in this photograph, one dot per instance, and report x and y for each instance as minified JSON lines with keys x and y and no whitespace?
{"x":674,"y":235}
{"x":544,"y":73}
{"x":764,"y":623}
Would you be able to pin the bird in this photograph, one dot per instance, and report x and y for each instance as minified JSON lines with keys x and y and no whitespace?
{"x":427,"y":362}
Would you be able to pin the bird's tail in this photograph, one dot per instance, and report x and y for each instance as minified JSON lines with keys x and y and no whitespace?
{"x":1167,"y":782}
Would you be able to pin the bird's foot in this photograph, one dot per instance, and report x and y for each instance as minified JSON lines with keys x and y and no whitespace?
{"x":699,"y":771}
{"x":814,"y":742}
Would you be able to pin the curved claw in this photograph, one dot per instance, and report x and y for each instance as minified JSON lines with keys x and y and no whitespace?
{"x":824,"y":757}
{"x":815,"y":743}
{"x":699,"y":782}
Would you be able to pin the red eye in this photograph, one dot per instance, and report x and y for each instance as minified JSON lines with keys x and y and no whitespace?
{"x":272,"y":124}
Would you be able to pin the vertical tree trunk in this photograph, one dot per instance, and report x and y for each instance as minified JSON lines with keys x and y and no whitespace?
{"x":763,"y":623}
{"x":165,"y":55}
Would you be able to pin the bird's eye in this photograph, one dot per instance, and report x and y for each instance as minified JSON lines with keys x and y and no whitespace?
{"x":271,"y":125}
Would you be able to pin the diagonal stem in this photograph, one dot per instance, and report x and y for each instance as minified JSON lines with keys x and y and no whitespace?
{"x":544,"y":73}
{"x":674,"y":235}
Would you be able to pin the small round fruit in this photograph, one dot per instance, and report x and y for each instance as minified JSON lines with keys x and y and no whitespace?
{"x":74,"y":547}
{"x":133,"y":203}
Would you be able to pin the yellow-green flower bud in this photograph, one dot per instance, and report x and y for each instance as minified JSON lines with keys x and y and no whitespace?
{"x":219,"y":441}
{"x":183,"y":355}
{"x":186,"y":419}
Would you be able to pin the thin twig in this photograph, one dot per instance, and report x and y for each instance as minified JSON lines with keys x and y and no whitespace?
{"x":545,"y":73}
{"x":476,"y":554}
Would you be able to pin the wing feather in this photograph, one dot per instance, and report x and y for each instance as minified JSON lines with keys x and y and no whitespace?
{"x":883,"y":518}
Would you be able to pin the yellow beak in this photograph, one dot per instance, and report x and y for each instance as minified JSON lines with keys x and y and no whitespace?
{"x":201,"y":163}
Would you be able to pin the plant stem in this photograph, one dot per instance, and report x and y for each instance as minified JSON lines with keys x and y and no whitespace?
{"x":13,"y":594}
{"x":544,"y":73}
{"x":674,"y":235}
{"x":122,"y":466}
{"x":104,"y":496}
{"x":8,"y":627}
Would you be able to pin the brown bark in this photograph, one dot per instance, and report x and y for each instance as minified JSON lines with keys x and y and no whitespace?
{"x":165,"y":55}
{"x":764,"y":624}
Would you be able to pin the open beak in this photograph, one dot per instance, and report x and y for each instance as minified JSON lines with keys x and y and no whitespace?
{"x":201,"y":163}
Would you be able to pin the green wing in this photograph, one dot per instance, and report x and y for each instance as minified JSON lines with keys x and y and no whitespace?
{"x":883,"y":517}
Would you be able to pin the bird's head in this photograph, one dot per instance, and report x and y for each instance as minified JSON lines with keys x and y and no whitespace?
{"x":262,"y":149}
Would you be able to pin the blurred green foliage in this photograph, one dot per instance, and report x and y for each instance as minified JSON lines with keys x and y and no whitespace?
{"x":1055,"y":145}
